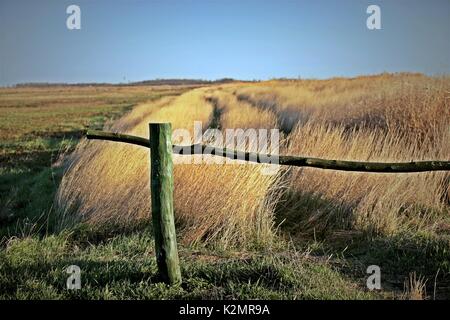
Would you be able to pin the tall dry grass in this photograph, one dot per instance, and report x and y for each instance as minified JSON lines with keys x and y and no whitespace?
{"x":239,"y":114}
{"x":109,"y":182}
{"x":380,"y":118}
{"x":379,"y":203}
{"x":376,"y":118}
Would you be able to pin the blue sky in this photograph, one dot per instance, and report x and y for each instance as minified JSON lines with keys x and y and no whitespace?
{"x":132,"y":40}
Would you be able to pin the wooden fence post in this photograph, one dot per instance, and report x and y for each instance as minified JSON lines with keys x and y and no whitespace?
{"x":161,"y":184}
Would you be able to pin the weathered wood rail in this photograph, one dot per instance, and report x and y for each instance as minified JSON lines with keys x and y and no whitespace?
{"x":296,"y":161}
{"x":161,"y":181}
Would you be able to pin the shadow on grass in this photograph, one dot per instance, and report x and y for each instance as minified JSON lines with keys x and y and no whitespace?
{"x":324,"y":228}
{"x":399,"y":256}
{"x":104,"y":276}
{"x":33,"y":281}
{"x":308,"y":215}
{"x":26,"y":200}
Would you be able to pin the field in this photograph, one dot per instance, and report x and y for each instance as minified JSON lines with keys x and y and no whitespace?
{"x":302,"y":233}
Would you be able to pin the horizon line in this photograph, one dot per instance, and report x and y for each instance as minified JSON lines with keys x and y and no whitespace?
{"x":199,"y":81}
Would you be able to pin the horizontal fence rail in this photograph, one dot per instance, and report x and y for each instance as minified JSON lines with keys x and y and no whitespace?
{"x":296,"y":161}
{"x":161,"y":181}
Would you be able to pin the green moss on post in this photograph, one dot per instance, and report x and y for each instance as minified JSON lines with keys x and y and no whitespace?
{"x":161,"y":184}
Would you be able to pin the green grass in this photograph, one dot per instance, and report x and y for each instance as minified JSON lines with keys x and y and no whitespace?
{"x":124,"y":267}
{"x":425,"y":254}
{"x":119,"y":263}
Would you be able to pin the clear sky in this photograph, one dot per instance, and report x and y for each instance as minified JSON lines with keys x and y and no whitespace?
{"x":132,"y":40}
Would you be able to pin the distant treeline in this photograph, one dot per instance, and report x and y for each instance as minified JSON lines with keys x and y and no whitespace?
{"x":155,"y":82}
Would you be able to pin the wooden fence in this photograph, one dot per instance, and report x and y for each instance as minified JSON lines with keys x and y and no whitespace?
{"x":161,"y":181}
